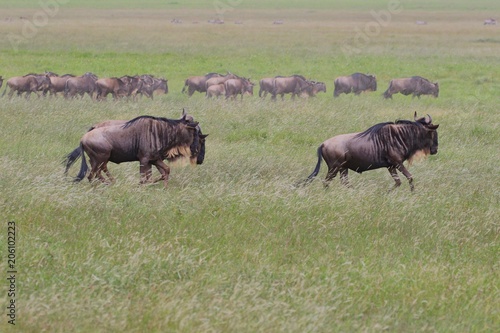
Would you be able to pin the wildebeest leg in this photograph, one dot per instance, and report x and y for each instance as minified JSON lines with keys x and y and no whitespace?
{"x":106,"y":171}
{"x":395,"y":176}
{"x":407,"y":174}
{"x":145,"y":170}
{"x":164,"y":170}
{"x":332,"y":172}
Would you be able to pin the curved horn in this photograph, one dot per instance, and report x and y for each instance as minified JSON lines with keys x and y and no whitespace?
{"x":415,"y":116}
{"x":428,"y":119}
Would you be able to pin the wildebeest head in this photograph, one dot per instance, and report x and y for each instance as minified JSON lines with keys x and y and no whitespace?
{"x":373,"y":82}
{"x":431,"y":128}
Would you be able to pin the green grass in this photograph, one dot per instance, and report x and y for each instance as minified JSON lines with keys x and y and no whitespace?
{"x":232,"y":245}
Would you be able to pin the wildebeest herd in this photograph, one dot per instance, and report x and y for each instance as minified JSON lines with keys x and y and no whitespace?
{"x":70,"y":86}
{"x":151,"y":140}
{"x":212,"y":84}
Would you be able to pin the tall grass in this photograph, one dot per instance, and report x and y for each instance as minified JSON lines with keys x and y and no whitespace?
{"x":233,"y":245}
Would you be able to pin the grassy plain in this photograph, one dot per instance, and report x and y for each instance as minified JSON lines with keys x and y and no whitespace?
{"x":232,"y":245}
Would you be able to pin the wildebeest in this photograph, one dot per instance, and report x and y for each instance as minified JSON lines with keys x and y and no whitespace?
{"x":313,"y":89}
{"x":57,"y":83}
{"x":294,"y":85}
{"x":81,"y":85}
{"x":220,"y":79}
{"x":385,"y":145}
{"x":111,"y":85}
{"x":239,"y":86}
{"x":355,"y":83}
{"x":415,"y":85}
{"x":197,"y":83}
{"x":146,"y":139}
{"x":216,"y":90}
{"x":151,"y":85}
{"x":27,"y":84}
{"x":266,"y":86}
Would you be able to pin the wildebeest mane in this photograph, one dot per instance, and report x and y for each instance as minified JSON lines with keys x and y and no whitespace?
{"x":374,"y":130}
{"x":137,"y":119}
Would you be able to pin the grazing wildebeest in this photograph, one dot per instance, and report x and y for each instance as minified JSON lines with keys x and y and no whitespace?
{"x":216,"y":90}
{"x":57,"y":83}
{"x":27,"y":84}
{"x":415,"y":85}
{"x":266,"y":86}
{"x":81,"y":85}
{"x":197,"y":83}
{"x":294,"y":85}
{"x":240,"y":86}
{"x":146,"y":139}
{"x":385,"y":145}
{"x":313,"y":89}
{"x":355,"y":83}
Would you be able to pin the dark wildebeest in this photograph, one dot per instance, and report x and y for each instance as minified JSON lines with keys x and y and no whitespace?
{"x":216,"y":90}
{"x":239,"y":86}
{"x":57,"y":83}
{"x":27,"y":84}
{"x":355,"y":83}
{"x":81,"y":85}
{"x":146,"y":139}
{"x":266,"y":86}
{"x":313,"y":89}
{"x":294,"y":85}
{"x":415,"y":85}
{"x":197,"y":83}
{"x":385,"y":145}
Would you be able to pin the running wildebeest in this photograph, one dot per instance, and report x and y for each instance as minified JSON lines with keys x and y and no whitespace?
{"x":81,"y":85}
{"x":355,"y":83}
{"x":294,"y":85}
{"x":146,"y":139}
{"x":197,"y":83}
{"x":385,"y":145}
{"x":415,"y":85}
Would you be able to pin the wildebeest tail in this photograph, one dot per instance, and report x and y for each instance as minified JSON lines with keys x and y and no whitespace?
{"x":387,"y":93}
{"x":72,"y":157}
{"x":83,"y":168}
{"x":316,"y":169}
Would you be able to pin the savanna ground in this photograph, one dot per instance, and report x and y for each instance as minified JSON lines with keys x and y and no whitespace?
{"x":232,"y":245}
